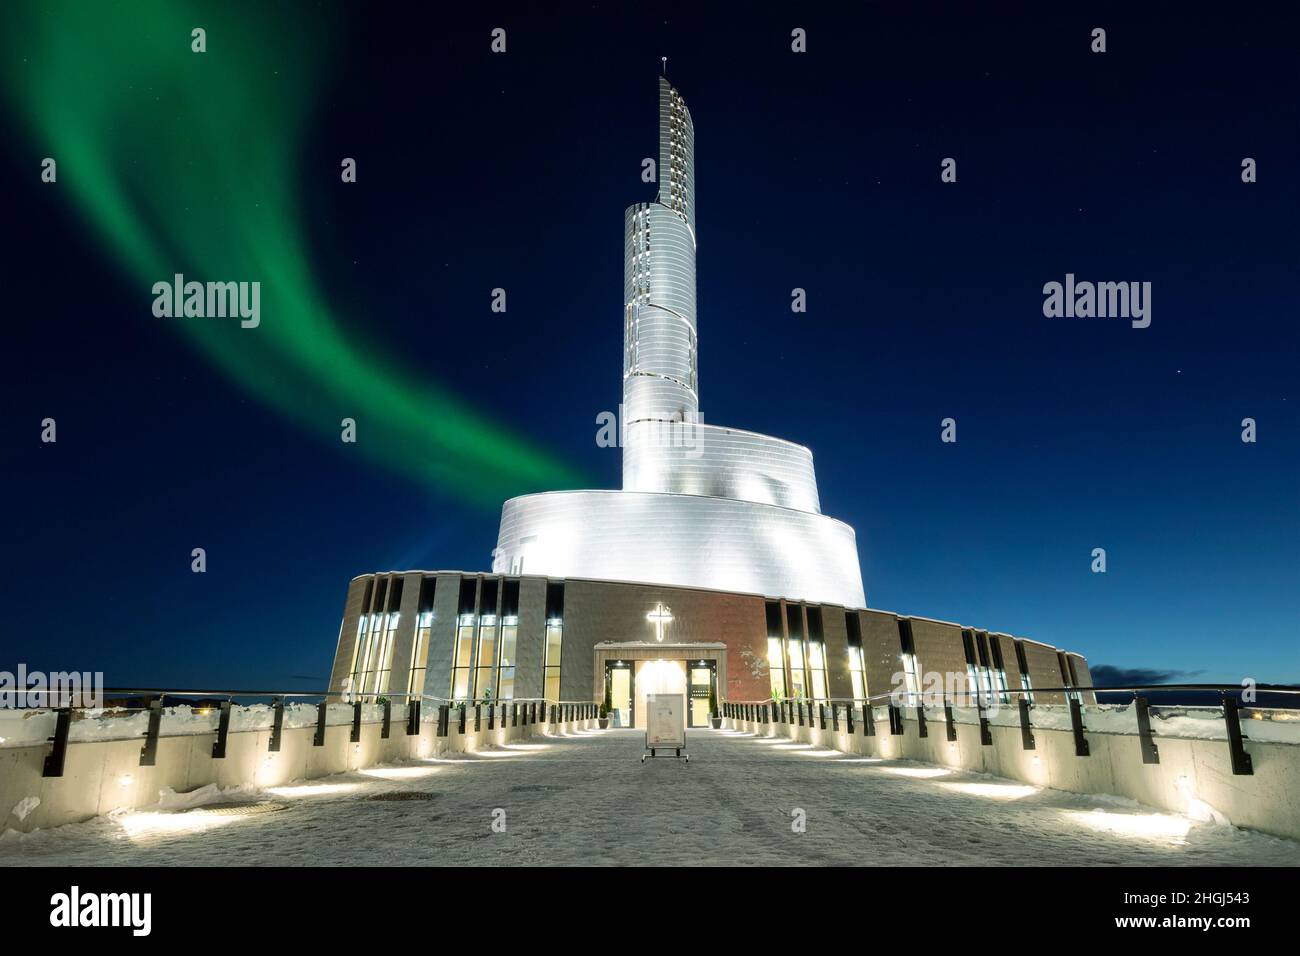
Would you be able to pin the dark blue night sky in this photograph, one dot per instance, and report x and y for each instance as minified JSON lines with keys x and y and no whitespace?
{"x":818,"y":171}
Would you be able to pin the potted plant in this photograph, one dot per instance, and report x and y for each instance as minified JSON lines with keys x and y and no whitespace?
{"x":606,"y":706}
{"x":715,"y":719}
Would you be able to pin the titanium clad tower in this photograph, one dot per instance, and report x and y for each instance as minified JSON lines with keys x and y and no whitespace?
{"x":660,"y":375}
{"x":701,"y":505}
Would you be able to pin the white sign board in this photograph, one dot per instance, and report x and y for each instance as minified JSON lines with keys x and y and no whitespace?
{"x":665,"y":721}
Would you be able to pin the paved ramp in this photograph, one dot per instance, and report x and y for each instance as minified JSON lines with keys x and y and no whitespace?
{"x":587,"y":799}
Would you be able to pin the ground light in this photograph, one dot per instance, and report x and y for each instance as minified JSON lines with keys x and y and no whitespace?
{"x":918,"y":771}
{"x":999,"y":791}
{"x":1150,"y":826}
{"x":399,"y":773}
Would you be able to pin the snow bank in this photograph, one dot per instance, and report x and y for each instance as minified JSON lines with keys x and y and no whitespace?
{"x":19,"y":728}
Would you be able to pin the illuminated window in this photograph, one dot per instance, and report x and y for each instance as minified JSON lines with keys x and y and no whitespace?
{"x":816,"y":654}
{"x":464,"y":657}
{"x":972,"y":682}
{"x":798,"y":684}
{"x":775,"y":658}
{"x":420,"y":646}
{"x":911,"y":675}
{"x":911,"y":665}
{"x":384,"y":660}
{"x":376,"y":635}
{"x":857,"y":673}
{"x":505,"y":686}
{"x":776,"y":667}
{"x":463,"y":651}
{"x":486,"y":661}
{"x":1068,"y":678}
{"x":794,"y":651}
{"x":554,"y":640}
{"x":817,"y":669}
{"x":1023,"y":664}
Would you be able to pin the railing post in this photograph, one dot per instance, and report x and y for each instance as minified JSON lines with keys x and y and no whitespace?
{"x":388,"y":719}
{"x":895,"y":719}
{"x":922,"y":728}
{"x":277,"y":726}
{"x":319,"y":739}
{"x":1026,"y":729}
{"x":478,"y":716}
{"x":848,"y":717}
{"x":1150,"y":752}
{"x":986,"y":735}
{"x":1241,"y":763}
{"x":413,"y":717}
{"x":356,"y":723}
{"x":59,"y":752}
{"x":947,"y":717}
{"x":821,"y":715}
{"x":223,"y":732}
{"x":149,"y":752}
{"x":492,"y":717}
{"x":1081,"y":748}
{"x":835,"y":718}
{"x":799,"y":705}
{"x":868,"y":720}
{"x":514,"y":714}
{"x":444,"y":719}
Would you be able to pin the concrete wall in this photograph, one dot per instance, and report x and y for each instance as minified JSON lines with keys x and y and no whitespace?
{"x":1194,"y":776}
{"x":100,"y":776}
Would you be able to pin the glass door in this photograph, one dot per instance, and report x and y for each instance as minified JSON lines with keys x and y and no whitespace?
{"x":701,"y":683}
{"x":620,"y":694}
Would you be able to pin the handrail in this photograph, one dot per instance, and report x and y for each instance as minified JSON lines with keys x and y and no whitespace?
{"x":533,"y":710}
{"x":987,"y":695}
{"x":353,"y":697}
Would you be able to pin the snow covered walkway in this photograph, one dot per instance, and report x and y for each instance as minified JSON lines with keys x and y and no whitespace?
{"x":587,"y":799}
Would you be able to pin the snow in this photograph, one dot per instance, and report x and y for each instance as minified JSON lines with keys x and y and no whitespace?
{"x":587,"y":799}
{"x":25,"y":727}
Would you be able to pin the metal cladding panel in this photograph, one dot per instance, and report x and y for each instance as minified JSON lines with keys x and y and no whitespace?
{"x":659,"y":321}
{"x":699,"y":459}
{"x":691,"y":541}
{"x":676,"y":153}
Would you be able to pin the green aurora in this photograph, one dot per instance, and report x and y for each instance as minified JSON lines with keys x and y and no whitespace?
{"x":185,"y":163}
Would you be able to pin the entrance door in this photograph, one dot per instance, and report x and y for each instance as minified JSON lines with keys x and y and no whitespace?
{"x":620,"y":694}
{"x":657,"y":677}
{"x":701,"y":682}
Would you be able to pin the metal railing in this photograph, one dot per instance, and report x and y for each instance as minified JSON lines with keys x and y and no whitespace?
{"x":793,"y":711}
{"x":521,"y":711}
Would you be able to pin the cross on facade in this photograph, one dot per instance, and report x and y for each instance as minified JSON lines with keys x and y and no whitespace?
{"x":661,"y":615}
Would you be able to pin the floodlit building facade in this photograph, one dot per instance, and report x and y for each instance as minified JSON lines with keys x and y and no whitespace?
{"x":711,"y":572}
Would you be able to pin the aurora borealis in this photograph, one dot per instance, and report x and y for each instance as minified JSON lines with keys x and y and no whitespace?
{"x":190,"y":162}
